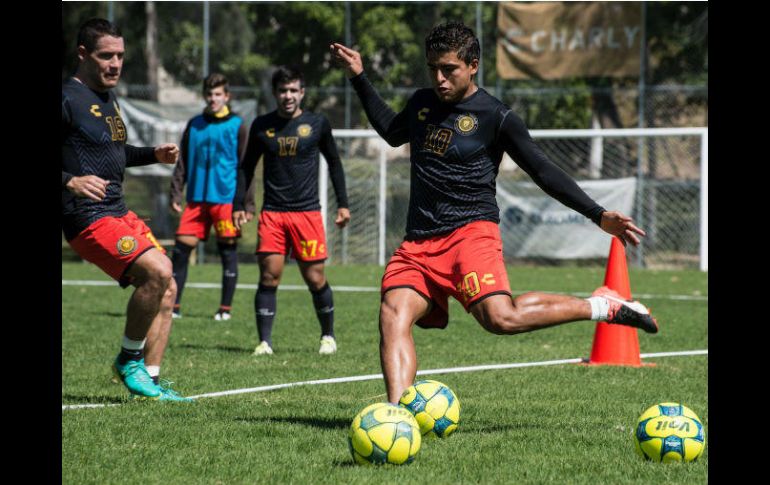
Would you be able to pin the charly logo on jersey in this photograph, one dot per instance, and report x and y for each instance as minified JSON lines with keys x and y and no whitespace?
{"x":466,"y":124}
{"x":270,"y":132}
{"x":126,"y":245}
{"x":304,"y":130}
{"x":422,"y":115}
{"x":95,"y":110}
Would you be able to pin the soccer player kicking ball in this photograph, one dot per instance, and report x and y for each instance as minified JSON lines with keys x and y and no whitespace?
{"x":290,"y":139}
{"x":458,"y":133}
{"x":95,"y":220}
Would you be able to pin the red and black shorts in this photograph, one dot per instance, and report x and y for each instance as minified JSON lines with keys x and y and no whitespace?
{"x":114,"y":243}
{"x":466,"y":264}
{"x":300,"y":234}
{"x":198,"y":217}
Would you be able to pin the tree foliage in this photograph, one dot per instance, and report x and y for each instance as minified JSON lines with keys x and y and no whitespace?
{"x":247,"y":39}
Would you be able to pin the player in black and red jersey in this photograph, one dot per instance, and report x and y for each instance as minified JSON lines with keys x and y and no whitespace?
{"x":95,"y":220}
{"x":458,"y":133}
{"x":290,"y":139}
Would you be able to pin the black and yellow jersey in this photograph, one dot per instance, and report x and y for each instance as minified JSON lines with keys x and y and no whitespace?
{"x":456,"y":149}
{"x":291,"y":152}
{"x":94,"y":143}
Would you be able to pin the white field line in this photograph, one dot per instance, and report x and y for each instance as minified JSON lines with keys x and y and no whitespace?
{"x":371,"y":289}
{"x":449,"y":370}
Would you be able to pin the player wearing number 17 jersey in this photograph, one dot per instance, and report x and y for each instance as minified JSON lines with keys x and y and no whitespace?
{"x":290,"y":140}
{"x":457,"y":134}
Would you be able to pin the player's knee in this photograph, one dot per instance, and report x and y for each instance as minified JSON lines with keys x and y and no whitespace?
{"x":507,"y":322}
{"x":170,"y":294}
{"x":160,"y":275}
{"x":315,"y":281}
{"x":392,"y":317}
{"x":266,"y":278}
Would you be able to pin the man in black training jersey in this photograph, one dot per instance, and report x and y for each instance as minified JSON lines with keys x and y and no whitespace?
{"x":290,"y":139}
{"x":95,"y":220}
{"x":458,"y":133}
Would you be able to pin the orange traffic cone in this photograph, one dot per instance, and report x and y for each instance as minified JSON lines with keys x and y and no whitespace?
{"x":616,"y":344}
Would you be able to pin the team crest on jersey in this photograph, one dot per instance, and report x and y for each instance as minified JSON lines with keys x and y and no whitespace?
{"x":126,"y":245}
{"x":304,"y":130}
{"x":466,"y":124}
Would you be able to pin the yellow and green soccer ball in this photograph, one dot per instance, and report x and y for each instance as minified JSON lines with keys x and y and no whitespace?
{"x":384,"y":433}
{"x":435,"y":407}
{"x":669,"y":432}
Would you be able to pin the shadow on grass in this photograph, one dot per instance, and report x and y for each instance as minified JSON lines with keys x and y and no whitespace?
{"x":345,"y":463}
{"x":75,"y":399}
{"x":222,"y":348}
{"x":312,"y":422}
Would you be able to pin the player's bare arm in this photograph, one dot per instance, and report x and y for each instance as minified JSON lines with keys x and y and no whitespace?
{"x":167,"y":153}
{"x":348,"y":58}
{"x":622,"y":226}
{"x":88,"y":186}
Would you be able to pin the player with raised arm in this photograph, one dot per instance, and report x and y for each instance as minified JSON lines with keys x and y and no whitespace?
{"x":458,"y":133}
{"x":95,"y":220}
{"x":290,"y":139}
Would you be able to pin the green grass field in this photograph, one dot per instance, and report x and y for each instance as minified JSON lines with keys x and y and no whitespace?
{"x":542,"y":424}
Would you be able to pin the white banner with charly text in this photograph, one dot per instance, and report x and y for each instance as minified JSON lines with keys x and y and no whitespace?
{"x":535,"y":225}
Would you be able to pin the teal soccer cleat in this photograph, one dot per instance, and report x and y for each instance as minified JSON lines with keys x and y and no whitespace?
{"x":134,"y":376}
{"x":168,"y":394}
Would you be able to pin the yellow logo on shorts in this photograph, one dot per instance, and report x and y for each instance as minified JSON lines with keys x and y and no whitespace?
{"x":304,"y":130}
{"x":466,"y":124}
{"x":126,"y":245}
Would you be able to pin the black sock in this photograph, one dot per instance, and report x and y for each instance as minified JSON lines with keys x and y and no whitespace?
{"x":155,"y":379}
{"x":179,"y":260}
{"x":264,"y":306}
{"x":229,"y":255}
{"x":324,"y":309}
{"x":129,"y":354}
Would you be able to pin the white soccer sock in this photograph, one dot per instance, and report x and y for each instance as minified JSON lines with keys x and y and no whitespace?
{"x":600,"y":308}
{"x":129,"y":344}
{"x":153,"y":370}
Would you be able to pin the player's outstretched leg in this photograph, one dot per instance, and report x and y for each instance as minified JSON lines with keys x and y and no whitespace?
{"x":534,"y":310}
{"x":625,"y":312}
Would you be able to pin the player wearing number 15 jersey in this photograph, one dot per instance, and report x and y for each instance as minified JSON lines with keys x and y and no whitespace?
{"x":290,"y":140}
{"x":457,"y":134}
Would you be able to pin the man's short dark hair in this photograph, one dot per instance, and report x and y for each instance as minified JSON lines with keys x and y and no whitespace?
{"x":214,"y":80}
{"x":94,"y":29}
{"x":287,"y":74}
{"x":453,"y":36}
